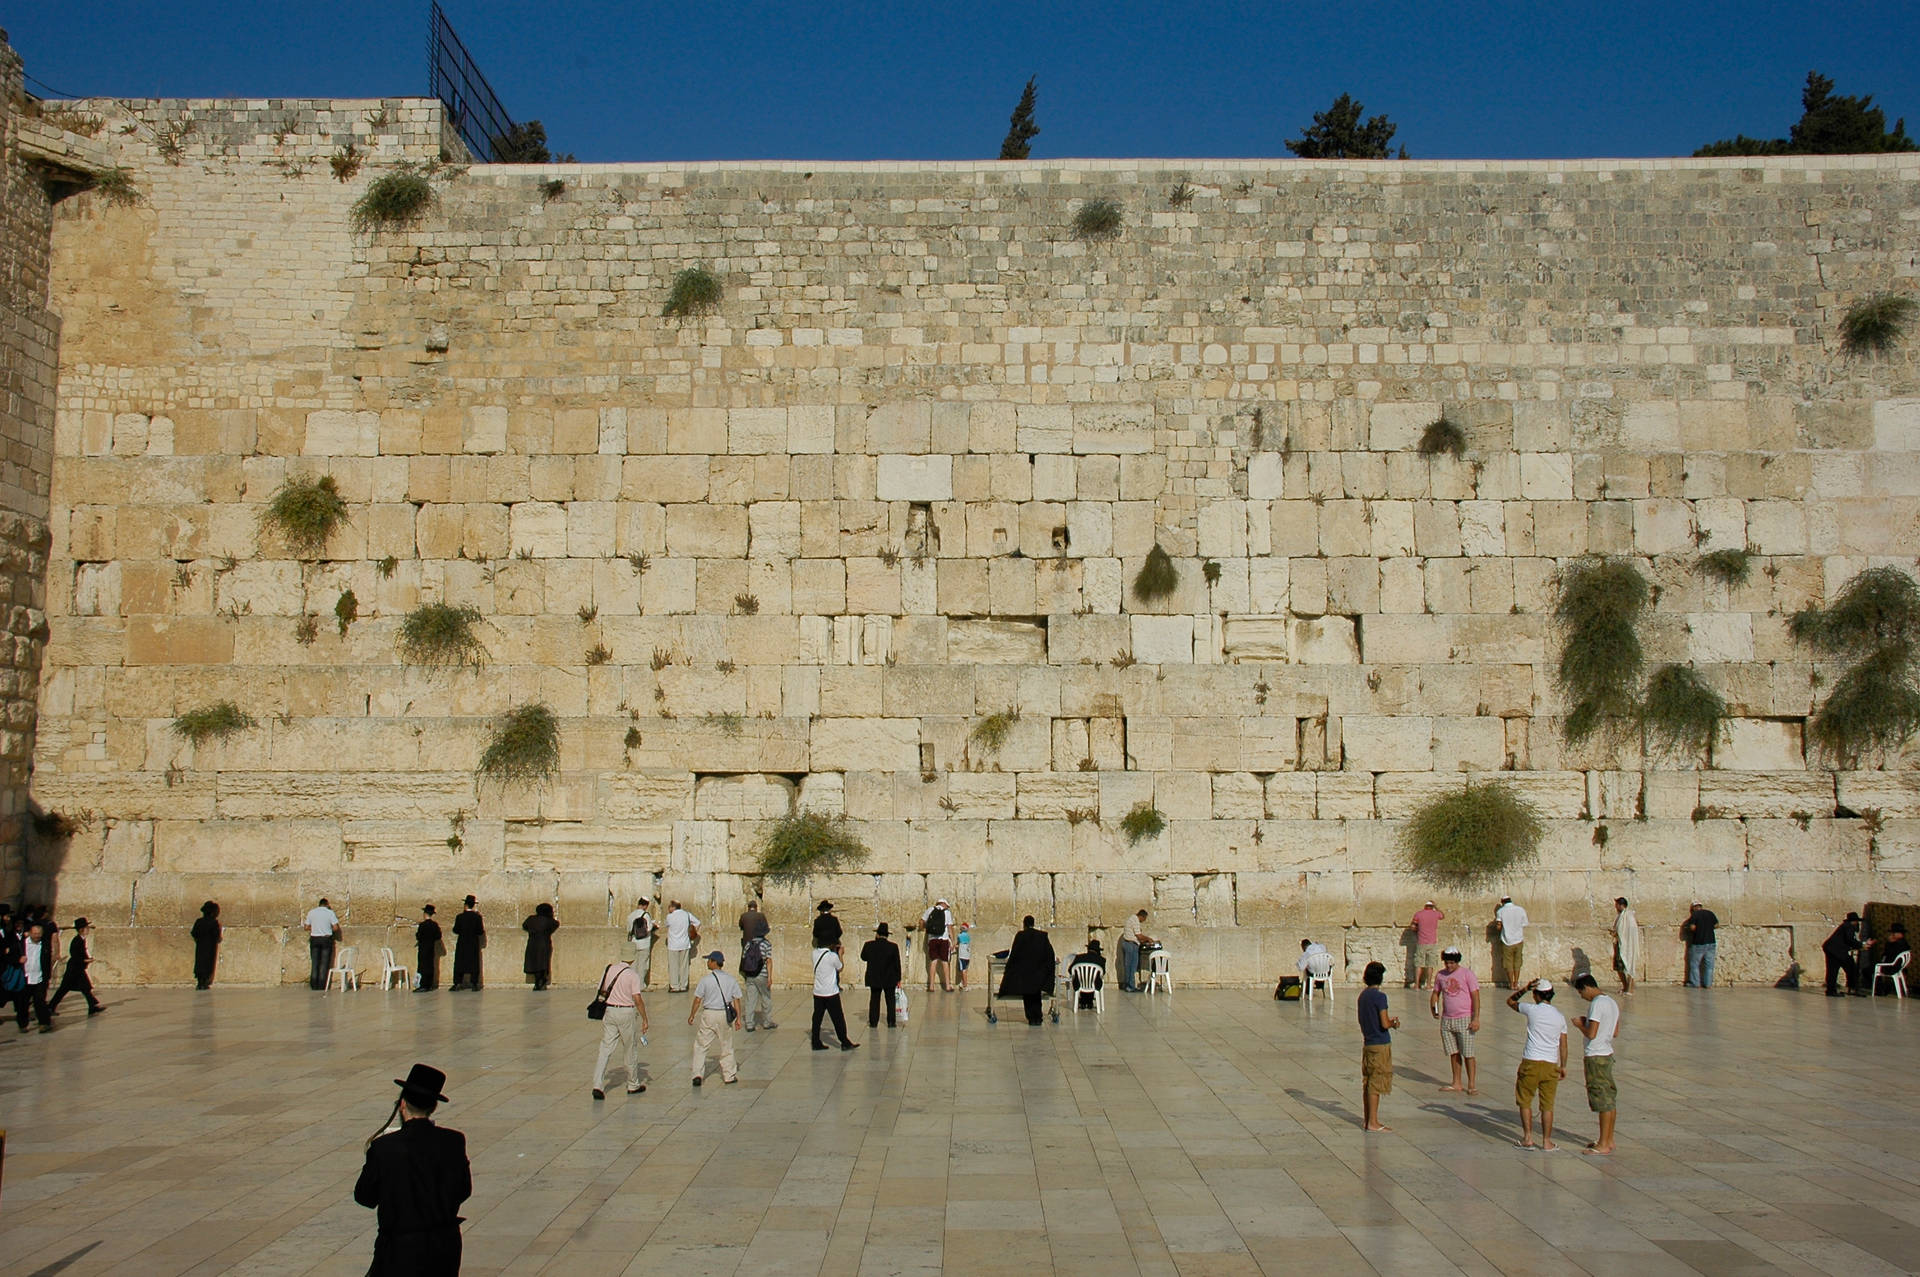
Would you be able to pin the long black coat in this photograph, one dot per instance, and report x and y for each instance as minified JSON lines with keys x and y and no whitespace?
{"x":1030,"y":965}
{"x":426,"y":952}
{"x":469,"y":929}
{"x":539,"y":929}
{"x":826,"y":931}
{"x":883,"y":963}
{"x":416,"y":1178}
{"x":206,"y":946}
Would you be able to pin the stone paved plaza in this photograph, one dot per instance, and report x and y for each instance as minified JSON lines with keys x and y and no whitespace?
{"x":1211,"y":1132}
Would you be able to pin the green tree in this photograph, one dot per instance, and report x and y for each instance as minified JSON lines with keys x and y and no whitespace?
{"x":1338,"y":134}
{"x":526,"y":144}
{"x":1020,"y":128}
{"x":1829,"y":125}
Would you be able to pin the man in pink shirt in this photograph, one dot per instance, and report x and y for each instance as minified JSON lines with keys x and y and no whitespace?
{"x":1426,"y":941}
{"x":625,"y":1026}
{"x":1456,"y":1004}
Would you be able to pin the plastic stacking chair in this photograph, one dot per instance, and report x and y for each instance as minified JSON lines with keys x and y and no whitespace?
{"x":343,"y":967}
{"x":1159,"y":971}
{"x":1086,"y":979}
{"x":1319,"y":972}
{"x":1895,"y":971}
{"x":389,"y":969}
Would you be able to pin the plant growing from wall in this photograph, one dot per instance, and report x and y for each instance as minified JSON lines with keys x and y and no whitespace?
{"x":305,"y":513}
{"x":1875,"y":325}
{"x":115,"y":186}
{"x":991,"y":732}
{"x":1729,"y":567}
{"x":1597,"y":612}
{"x":392,"y":199}
{"x":695,"y":292}
{"x":217,"y":721}
{"x":1210,"y":570}
{"x":1098,"y":219}
{"x":306,"y":629}
{"x":552,"y":189}
{"x":387,"y":567}
{"x":346,"y":162}
{"x":524,"y":747}
{"x":804,"y":843}
{"x":1681,"y":713}
{"x":1874,"y":707}
{"x":346,"y":610}
{"x":1142,"y":821}
{"x":1470,"y":838}
{"x":440,"y":636}
{"x":1157,"y":578}
{"x":1442,"y":438}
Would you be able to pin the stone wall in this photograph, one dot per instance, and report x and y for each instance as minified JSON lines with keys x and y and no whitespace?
{"x":794,"y":552}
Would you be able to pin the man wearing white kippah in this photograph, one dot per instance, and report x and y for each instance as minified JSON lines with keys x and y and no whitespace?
{"x":1543,"y":1064}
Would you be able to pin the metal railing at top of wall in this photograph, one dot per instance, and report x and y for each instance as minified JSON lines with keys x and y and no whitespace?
{"x":453,"y":77}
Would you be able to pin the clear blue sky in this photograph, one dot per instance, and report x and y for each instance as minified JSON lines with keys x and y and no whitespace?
{"x":907,"y":80}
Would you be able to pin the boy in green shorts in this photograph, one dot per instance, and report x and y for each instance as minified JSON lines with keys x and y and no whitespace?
{"x":1600,"y":1026}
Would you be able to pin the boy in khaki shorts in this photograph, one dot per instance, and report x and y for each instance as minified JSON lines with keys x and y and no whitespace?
{"x":1376,"y":1045}
{"x":1543,"y":1064}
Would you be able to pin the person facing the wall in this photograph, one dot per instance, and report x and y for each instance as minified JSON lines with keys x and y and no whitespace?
{"x":1031,"y":968}
{"x":206,"y":944}
{"x":323,"y":931}
{"x":1703,"y":945}
{"x":426,"y":950}
{"x":1511,"y":921}
{"x":469,"y":938}
{"x":1626,"y":944}
{"x":539,"y":959}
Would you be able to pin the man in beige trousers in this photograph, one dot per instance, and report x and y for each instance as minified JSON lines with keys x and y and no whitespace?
{"x":716,"y":1008}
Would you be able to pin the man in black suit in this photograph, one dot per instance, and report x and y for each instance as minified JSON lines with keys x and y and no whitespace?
{"x":469,"y":935}
{"x":416,"y":1176}
{"x":1030,"y":969}
{"x":426,"y":950}
{"x":882,"y":957}
{"x":76,"y":980}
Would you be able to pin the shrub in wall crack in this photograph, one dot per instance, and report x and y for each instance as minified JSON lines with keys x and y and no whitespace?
{"x":1876,"y":325}
{"x":217,"y":721}
{"x":1473,"y":837}
{"x":440,"y":636}
{"x":1142,"y":821}
{"x":695,"y":292}
{"x":1874,"y":707}
{"x":305,"y":513}
{"x":991,"y":732}
{"x":392,"y":199}
{"x":523,"y":749}
{"x":1098,"y":219}
{"x":1729,"y":567}
{"x":1442,"y":438}
{"x":1157,"y":578}
{"x":1597,"y":612}
{"x":805,"y":843}
{"x":1681,"y":713}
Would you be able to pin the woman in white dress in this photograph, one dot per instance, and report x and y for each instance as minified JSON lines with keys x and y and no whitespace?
{"x":1626,"y":944}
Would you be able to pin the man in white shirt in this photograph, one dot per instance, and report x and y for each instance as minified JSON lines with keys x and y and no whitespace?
{"x":1543,"y":1062}
{"x":36,"y":963}
{"x":640,"y":929}
{"x":937,"y":924}
{"x":1600,"y":1026}
{"x":682,"y":930}
{"x":623,"y":1025}
{"x":1309,"y":950}
{"x":1512,"y":921}
{"x":323,"y":929}
{"x":716,"y":1006}
{"x":1134,"y":941}
{"x":826,"y":997}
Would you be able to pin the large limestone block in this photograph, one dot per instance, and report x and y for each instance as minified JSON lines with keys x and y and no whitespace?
{"x":1896,"y":425}
{"x":1816,"y":845}
{"x":341,"y":795}
{"x":483,"y":429}
{"x":1110,"y":429}
{"x":1382,"y":743}
{"x":539,"y":528}
{"x":998,"y":642}
{"x":1046,"y":428}
{"x":1163,"y":640}
{"x":1759,"y":745}
{"x":267,"y":846}
{"x":757,"y":430}
{"x":1325,"y":640}
{"x":1397,"y":427}
{"x":865,"y":744}
{"x":1468,"y":744}
{"x":698,"y":847}
{"x":1051,"y":795}
{"x":915,"y":478}
{"x":746,"y":797}
{"x":1258,"y":638}
{"x":1758,"y":795}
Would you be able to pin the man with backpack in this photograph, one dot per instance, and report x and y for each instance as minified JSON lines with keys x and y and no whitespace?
{"x":937,"y":922}
{"x":640,"y":929}
{"x":756,"y":974}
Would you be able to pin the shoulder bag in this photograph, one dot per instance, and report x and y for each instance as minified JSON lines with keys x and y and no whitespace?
{"x":597,"y":1009}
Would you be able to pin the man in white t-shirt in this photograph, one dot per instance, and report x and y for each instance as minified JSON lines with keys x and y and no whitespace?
{"x":323,"y":930}
{"x":1543,"y":1062}
{"x":1512,"y":921}
{"x":640,"y":930}
{"x":1600,"y":1026}
{"x":827,"y":965}
{"x":682,"y":930}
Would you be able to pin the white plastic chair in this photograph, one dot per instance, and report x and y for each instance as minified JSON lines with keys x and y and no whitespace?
{"x":343,"y":967}
{"x":1895,"y":971}
{"x":1320,"y":972}
{"x":389,"y":969}
{"x":1085,"y":978}
{"x":1159,"y":971}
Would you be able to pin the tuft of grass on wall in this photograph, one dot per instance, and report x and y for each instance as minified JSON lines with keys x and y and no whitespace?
{"x":1880,"y":606}
{"x":392,"y":199}
{"x":991,"y":732}
{"x":1597,"y":611}
{"x":217,"y":721}
{"x":1681,"y":713}
{"x":1098,"y":219}
{"x":1157,"y":578}
{"x":1470,"y":838}
{"x":805,"y":843}
{"x":305,"y":513}
{"x":1142,"y":821}
{"x":1442,"y":438}
{"x":346,"y":610}
{"x":1876,"y":325}
{"x":1729,"y":567}
{"x":695,"y":292}
{"x":115,"y":186}
{"x":441,"y":636}
{"x":524,"y":747}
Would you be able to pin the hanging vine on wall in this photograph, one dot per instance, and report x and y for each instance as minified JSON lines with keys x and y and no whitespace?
{"x":306,"y":513}
{"x":1681,"y":713}
{"x":1157,"y":578}
{"x":1874,"y":707}
{"x":524,"y":747}
{"x":1597,"y":612}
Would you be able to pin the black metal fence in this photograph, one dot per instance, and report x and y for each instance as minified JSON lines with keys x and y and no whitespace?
{"x":454,"y":78}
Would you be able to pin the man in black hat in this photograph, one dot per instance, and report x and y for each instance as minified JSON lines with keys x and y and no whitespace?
{"x":882,"y":957}
{"x":469,"y":936}
{"x":826,"y":927}
{"x":1842,"y":952}
{"x":426,"y":950}
{"x":416,"y":1176}
{"x":1888,"y":953}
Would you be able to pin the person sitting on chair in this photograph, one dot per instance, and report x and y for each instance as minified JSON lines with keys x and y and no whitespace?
{"x":1092,"y":957}
{"x":1309,"y":949}
{"x":1886,"y":953}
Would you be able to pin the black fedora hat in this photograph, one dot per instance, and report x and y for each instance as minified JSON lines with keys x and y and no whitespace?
{"x":881,"y":930}
{"x":423,"y":1082}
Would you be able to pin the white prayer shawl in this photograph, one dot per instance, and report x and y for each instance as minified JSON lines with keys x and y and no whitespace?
{"x":1626,"y":934}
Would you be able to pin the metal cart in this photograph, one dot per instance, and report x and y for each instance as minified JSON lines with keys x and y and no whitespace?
{"x":995,"y":964}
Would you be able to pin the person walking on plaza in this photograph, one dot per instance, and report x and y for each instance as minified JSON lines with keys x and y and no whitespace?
{"x":1626,"y":943}
{"x":641,"y":930}
{"x":539,"y":960}
{"x":1702,"y":945}
{"x":1600,"y":1026}
{"x":1543,"y":1062}
{"x":36,"y":964}
{"x":716,"y":1005}
{"x":937,"y":924}
{"x":1031,"y":968}
{"x":827,"y":965}
{"x":1456,"y":1004}
{"x":1134,"y":941}
{"x":756,"y":976}
{"x":75,"y":978}
{"x":415,"y":1177}
{"x":1511,"y":919}
{"x":323,"y":930}
{"x":826,"y":927}
{"x":1426,"y":942}
{"x":426,"y":950}
{"x":206,"y":944}
{"x":1842,"y":952}
{"x":882,"y":957}
{"x":469,"y":938}
{"x":623,"y":1025}
{"x":1376,"y":1045}
{"x":683,"y":932}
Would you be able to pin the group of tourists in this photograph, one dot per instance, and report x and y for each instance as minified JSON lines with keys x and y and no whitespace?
{"x":29,"y":951}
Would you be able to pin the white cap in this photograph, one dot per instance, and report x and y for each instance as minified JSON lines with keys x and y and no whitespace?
{"x":1543,"y":986}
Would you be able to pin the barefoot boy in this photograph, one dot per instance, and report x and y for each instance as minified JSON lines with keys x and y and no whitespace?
{"x":1376,"y":1049}
{"x":1456,"y":1004}
{"x":1599,"y":1026}
{"x":1543,"y":1063}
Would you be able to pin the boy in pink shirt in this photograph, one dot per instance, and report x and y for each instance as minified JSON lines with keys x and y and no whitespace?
{"x":1456,"y":1004}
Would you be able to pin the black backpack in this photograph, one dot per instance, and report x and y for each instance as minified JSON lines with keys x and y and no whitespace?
{"x":937,"y":924}
{"x":642,"y":928}
{"x":753,"y":958}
